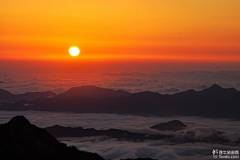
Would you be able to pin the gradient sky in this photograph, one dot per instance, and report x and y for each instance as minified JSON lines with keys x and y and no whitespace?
{"x":169,"y":30}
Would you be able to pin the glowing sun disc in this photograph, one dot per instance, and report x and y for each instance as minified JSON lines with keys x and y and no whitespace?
{"x":74,"y":51}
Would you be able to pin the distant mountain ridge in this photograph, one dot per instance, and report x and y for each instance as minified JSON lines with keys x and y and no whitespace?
{"x":214,"y":102}
{"x":60,"y":131}
{"x":89,"y":91}
{"x":28,"y":96}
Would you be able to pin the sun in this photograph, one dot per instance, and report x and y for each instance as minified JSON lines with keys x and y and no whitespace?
{"x":74,"y":51}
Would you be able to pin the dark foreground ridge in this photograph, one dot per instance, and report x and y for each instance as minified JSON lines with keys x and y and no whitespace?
{"x":214,"y":102}
{"x":21,"y":140}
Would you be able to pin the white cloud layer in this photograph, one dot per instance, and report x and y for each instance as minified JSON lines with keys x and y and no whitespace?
{"x":111,"y":148}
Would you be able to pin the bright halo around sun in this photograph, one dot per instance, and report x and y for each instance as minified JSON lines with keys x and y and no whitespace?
{"x":74,"y":51}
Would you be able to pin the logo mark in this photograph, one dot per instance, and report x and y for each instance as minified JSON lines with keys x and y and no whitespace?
{"x":215,"y":153}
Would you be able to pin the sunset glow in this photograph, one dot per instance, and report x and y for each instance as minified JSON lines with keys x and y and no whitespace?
{"x":187,"y":30}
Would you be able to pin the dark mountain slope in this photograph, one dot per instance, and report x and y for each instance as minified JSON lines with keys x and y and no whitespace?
{"x":4,"y":95}
{"x":21,"y":140}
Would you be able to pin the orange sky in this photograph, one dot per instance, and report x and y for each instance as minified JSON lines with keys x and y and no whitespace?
{"x":173,"y":30}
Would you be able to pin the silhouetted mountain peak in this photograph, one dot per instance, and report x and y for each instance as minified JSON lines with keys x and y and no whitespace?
{"x":173,"y":125}
{"x":177,"y":123}
{"x":19,"y":121}
{"x":218,"y":89}
{"x":215,"y":87}
{"x":21,"y":140}
{"x":94,"y":92}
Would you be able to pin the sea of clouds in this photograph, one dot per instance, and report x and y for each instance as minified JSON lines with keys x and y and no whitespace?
{"x":111,"y":148}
